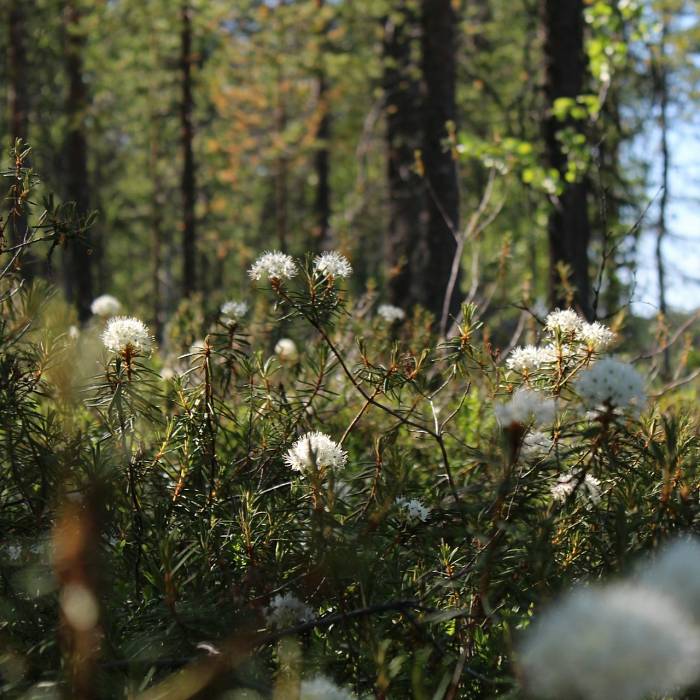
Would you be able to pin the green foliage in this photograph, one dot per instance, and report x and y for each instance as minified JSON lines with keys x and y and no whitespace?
{"x":151,"y":519}
{"x":156,"y":486}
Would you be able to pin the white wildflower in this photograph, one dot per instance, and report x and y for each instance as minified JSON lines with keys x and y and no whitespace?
{"x":536,"y":444}
{"x":589,"y":487}
{"x":413,"y":508}
{"x":43,"y":548}
{"x":321,"y":688}
{"x":286,"y":610}
{"x":105,"y":306}
{"x":391,"y":314}
{"x":273,"y":265}
{"x":14,"y":551}
{"x":528,"y":358}
{"x":332,"y":264}
{"x":567,"y":322}
{"x":558,"y":352}
{"x":315,"y":451}
{"x":676,"y":570}
{"x":526,"y":406}
{"x":79,"y":606}
{"x":126,"y":335}
{"x":596,"y":336}
{"x":621,"y":641}
{"x":74,"y":333}
{"x":612,"y":383}
{"x":233,"y":311}
{"x":286,"y":350}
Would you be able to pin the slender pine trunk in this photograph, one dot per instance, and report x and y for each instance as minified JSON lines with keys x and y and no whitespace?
{"x":281,"y":165}
{"x":439,"y":25}
{"x":568,"y":227}
{"x":662,"y":223}
{"x":78,"y":277}
{"x":403,"y":140}
{"x":322,"y":160}
{"x":18,"y":103}
{"x":188,"y":187}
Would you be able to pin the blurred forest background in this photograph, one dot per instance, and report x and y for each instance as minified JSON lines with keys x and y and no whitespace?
{"x":176,"y":514}
{"x":527,"y":139}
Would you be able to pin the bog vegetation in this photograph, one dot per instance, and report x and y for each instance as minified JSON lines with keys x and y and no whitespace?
{"x":365,"y":510}
{"x":329,"y":441}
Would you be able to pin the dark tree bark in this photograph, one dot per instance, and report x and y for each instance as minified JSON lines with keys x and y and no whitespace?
{"x":568,"y":227}
{"x":404,"y":129}
{"x":78,"y":270}
{"x":439,"y":25}
{"x":322,"y":157}
{"x":662,"y":227}
{"x":323,"y":168}
{"x":157,"y":206}
{"x":611,"y":190}
{"x":18,"y":103}
{"x":661,"y":89}
{"x":281,"y":166}
{"x":188,"y":188}
{"x":17,"y":72}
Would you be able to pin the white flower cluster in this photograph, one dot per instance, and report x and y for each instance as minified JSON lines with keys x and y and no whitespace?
{"x":390,"y":314}
{"x":233,"y":311}
{"x":315,"y":451}
{"x":572,"y":337}
{"x":14,"y":551}
{"x":611,"y":383}
{"x":526,"y":407}
{"x":286,"y":610}
{"x":536,"y":444}
{"x":620,"y":641}
{"x":413,"y":508}
{"x":627,"y":640}
{"x":273,"y":265}
{"x":596,"y":336}
{"x":563,"y":321}
{"x":529,"y":358}
{"x":321,"y":688}
{"x":286,"y":351}
{"x":568,"y":323}
{"x":105,"y":306}
{"x":676,"y":570}
{"x":127,"y":335}
{"x":332,"y":264}
{"x":565,"y":485}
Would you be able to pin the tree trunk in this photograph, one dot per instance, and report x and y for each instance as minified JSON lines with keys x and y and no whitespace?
{"x":17,"y":76}
{"x":323,"y":170}
{"x":157,"y":206}
{"x":78,"y":261}
{"x":568,"y":227}
{"x":18,"y":100}
{"x":189,"y":268}
{"x":662,"y":223}
{"x":439,"y":24}
{"x":322,"y":157}
{"x":281,"y":165}
{"x":403,"y":138}
{"x":607,"y":296}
